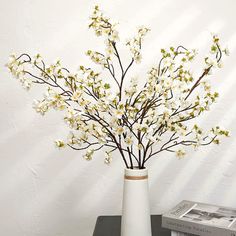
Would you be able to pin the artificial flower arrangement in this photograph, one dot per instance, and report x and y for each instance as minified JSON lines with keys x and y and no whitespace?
{"x":140,"y":120}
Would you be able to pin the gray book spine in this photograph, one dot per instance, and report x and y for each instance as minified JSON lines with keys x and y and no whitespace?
{"x":194,"y":228}
{"x":176,"y":233}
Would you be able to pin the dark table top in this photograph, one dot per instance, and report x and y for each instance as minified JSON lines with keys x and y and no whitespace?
{"x":110,"y":226}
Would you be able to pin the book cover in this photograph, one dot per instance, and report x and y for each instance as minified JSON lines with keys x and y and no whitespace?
{"x":201,"y":219}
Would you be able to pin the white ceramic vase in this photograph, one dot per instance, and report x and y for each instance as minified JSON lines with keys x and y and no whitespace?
{"x":136,"y":219}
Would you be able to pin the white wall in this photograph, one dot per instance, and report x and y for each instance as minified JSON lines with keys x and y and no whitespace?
{"x":46,"y":192}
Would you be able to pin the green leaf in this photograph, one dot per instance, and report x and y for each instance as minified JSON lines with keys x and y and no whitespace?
{"x":107,"y":86}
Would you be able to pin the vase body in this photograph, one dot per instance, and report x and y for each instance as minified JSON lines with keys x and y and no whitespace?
{"x":136,"y":219}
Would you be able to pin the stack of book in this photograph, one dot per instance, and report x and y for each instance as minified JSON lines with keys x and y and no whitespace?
{"x":193,"y":218}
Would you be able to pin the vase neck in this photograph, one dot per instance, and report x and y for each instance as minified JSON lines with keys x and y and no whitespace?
{"x":136,"y":174}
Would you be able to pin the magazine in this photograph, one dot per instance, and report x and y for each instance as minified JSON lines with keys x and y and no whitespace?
{"x":201,"y":219}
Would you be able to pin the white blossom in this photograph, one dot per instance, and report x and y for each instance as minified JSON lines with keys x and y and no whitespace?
{"x":180,"y":153}
{"x":60,"y":144}
{"x":89,"y":154}
{"x":40,"y":106}
{"x":108,"y":158}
